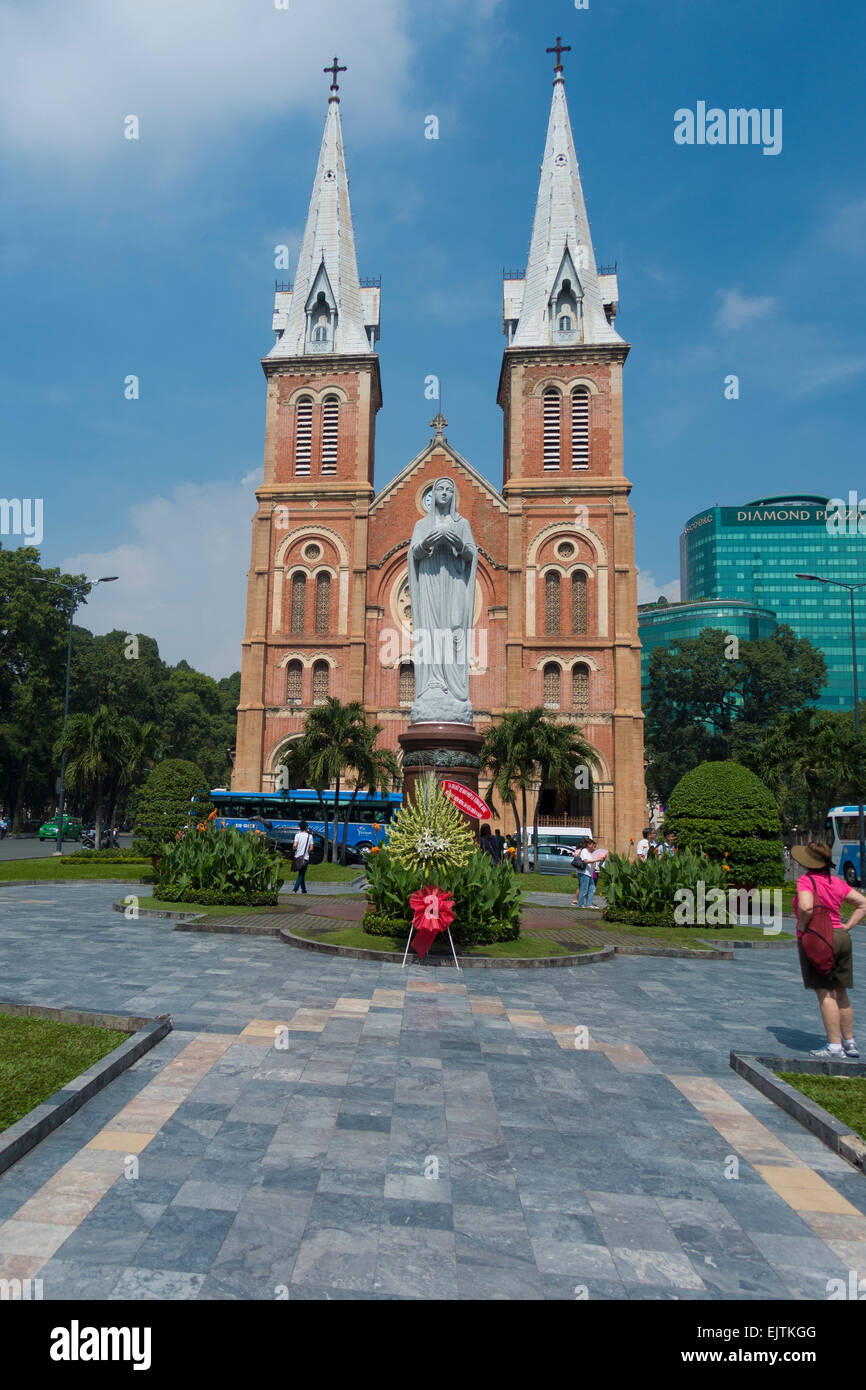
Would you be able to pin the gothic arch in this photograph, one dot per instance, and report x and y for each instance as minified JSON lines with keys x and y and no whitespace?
{"x":315,"y":532}
{"x":567,"y":528}
{"x":317,"y":395}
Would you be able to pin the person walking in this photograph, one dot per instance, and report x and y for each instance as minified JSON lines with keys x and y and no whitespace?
{"x":488,"y":844}
{"x":819,"y":885}
{"x":303,"y":843}
{"x":642,"y":848}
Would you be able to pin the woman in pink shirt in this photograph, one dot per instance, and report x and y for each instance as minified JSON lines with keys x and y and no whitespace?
{"x":832,"y":990}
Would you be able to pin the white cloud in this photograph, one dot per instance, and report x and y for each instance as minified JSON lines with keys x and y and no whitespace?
{"x":738,"y":309}
{"x":181,"y":576}
{"x":830,"y":373}
{"x":192,"y":71}
{"x":847,"y":230}
{"x":649,"y":589}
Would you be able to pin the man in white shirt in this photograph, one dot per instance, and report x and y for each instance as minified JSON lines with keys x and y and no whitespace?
{"x":301,"y":847}
{"x":643,"y":845}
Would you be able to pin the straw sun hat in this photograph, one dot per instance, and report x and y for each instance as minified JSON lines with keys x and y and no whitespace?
{"x":813,"y":856}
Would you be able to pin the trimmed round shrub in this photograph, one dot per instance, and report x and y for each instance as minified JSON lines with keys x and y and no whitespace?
{"x":166,"y":805}
{"x":725,"y":811}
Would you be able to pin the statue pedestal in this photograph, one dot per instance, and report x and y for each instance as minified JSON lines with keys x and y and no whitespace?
{"x":448,"y":750}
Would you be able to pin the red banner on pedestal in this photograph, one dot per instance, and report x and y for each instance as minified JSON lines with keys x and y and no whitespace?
{"x":466,"y":800}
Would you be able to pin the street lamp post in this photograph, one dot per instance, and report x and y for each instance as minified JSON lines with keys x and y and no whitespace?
{"x":71,"y":588}
{"x":852,"y":589}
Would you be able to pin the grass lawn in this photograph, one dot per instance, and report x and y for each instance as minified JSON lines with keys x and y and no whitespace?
{"x":47,"y":869}
{"x":39,"y":1056}
{"x":843,"y":1096}
{"x":548,"y":883}
{"x":327,"y":873}
{"x":698,"y":938}
{"x":522,"y":947}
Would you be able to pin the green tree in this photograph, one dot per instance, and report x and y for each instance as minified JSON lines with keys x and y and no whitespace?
{"x":175,"y":793}
{"x":337,"y":744}
{"x":94,"y":748}
{"x":505,"y":756}
{"x":724,"y":811}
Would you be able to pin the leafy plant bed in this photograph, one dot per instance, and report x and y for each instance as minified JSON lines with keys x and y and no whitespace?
{"x":842,"y":1096}
{"x":523,"y":947}
{"x":39,"y":1056}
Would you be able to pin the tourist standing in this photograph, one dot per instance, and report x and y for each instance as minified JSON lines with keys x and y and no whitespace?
{"x":585,"y":865}
{"x":643,"y":845}
{"x":500,"y":840}
{"x":819,"y":884}
{"x":488,"y":844}
{"x":301,"y":847}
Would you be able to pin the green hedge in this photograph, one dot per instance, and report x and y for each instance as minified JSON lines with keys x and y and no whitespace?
{"x":641,"y":919}
{"x":486,"y":896}
{"x":725,"y":811}
{"x":210,"y":897}
{"x":104,"y":856}
{"x":378,"y":924}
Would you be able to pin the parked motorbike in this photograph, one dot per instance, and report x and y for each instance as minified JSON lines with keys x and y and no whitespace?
{"x":88,"y":839}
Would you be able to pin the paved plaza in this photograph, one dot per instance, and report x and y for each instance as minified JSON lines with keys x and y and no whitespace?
{"x":329,"y":1128}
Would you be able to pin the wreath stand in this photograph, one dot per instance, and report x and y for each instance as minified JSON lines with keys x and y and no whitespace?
{"x":410,"y":938}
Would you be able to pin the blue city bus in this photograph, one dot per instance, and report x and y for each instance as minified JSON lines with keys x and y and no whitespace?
{"x":278,"y":814}
{"x":842,"y":831}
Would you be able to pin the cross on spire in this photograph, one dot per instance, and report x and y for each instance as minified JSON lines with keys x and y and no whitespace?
{"x":559,"y":48}
{"x":333,"y":70}
{"x":439,"y":422}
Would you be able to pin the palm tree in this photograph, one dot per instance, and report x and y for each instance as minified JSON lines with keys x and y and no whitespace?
{"x":94,"y":746}
{"x":375,"y":770}
{"x":336,"y":738}
{"x":140,"y":747}
{"x":504,"y":755}
{"x":559,"y":749}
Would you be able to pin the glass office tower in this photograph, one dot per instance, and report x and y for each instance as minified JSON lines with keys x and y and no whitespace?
{"x":660,"y":624}
{"x":751,"y":553}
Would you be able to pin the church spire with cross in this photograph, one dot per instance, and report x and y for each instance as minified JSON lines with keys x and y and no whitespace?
{"x":326,"y":310}
{"x":562,"y":300}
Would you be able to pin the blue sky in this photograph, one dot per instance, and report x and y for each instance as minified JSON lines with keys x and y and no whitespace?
{"x":156,"y":257}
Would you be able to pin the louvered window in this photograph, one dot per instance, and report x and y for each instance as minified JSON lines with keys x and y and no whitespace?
{"x":578,"y":602}
{"x":294,"y":672}
{"x":299,"y":601}
{"x":330,"y":424}
{"x":551,"y":686}
{"x":303,"y":434}
{"x":551,"y":603}
{"x":321,"y":675}
{"x":407,"y":683}
{"x":580,"y":427}
{"x":551,"y":428}
{"x":580,"y":688}
{"x":323,"y":603}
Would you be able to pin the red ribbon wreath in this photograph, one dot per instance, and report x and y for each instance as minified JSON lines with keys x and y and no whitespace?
{"x":433,"y":911}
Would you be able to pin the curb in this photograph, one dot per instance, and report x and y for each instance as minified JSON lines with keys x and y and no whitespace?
{"x":35,"y":1126}
{"x":760,"y":1072}
{"x":155,"y":912}
{"x":47,"y":882}
{"x":201,"y":925}
{"x":466,"y":962}
{"x":678,"y":952}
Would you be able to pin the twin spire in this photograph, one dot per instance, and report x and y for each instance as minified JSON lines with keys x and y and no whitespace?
{"x":561,"y":301}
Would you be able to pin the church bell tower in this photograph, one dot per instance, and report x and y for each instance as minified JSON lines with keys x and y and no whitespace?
{"x":304,"y":637}
{"x":572,"y":604}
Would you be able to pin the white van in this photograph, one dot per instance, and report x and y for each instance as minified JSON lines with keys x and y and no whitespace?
{"x":556,"y":846}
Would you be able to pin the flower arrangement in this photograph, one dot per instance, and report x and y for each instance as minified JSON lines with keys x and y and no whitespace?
{"x":430,"y":832}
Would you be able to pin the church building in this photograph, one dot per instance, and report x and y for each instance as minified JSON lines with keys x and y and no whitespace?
{"x":555,"y":622}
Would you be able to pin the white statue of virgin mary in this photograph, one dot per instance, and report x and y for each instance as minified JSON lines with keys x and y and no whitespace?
{"x":443,"y":559}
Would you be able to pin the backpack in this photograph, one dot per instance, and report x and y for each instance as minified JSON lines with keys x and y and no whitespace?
{"x":817,"y":939}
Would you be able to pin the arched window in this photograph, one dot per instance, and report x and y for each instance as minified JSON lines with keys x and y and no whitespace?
{"x":580,"y":427}
{"x":294,"y":674}
{"x":578,"y":602}
{"x":565,"y":323}
{"x":580,"y":688}
{"x":321,"y":676}
{"x":551,"y":685}
{"x":321,"y":319}
{"x":303,"y":433}
{"x":299,"y":602}
{"x":407,"y":683}
{"x":330,"y":424}
{"x":323,"y":602}
{"x":550,"y":401}
{"x":551,"y":603}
